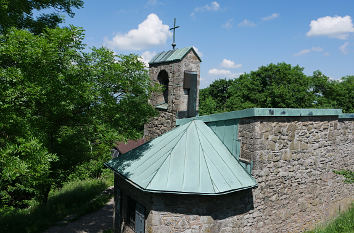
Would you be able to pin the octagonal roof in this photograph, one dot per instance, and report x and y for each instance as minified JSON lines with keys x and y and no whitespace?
{"x":189,"y":159}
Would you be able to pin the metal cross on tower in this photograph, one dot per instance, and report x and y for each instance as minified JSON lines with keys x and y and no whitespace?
{"x":174,"y":30}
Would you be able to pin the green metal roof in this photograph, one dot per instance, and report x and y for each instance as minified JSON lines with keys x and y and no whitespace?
{"x":189,"y":159}
{"x":172,"y":55}
{"x":346,"y":116}
{"x":266,"y":112}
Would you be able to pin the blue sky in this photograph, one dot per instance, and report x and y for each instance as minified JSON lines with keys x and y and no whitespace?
{"x":232,"y":37}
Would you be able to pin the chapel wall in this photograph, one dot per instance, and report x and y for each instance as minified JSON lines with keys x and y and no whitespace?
{"x":200,"y":213}
{"x":129,"y":191}
{"x":294,"y":159}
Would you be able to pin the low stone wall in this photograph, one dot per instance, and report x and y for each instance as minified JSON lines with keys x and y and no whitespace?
{"x":294,"y":159}
{"x":159,"y":125}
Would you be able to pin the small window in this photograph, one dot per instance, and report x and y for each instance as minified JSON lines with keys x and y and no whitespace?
{"x":131,"y":213}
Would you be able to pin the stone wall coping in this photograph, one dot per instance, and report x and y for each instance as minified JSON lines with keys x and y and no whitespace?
{"x":267,"y":112}
{"x":346,"y":116}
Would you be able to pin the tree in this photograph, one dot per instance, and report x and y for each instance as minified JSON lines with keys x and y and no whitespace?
{"x":207,"y":105}
{"x":276,"y":86}
{"x":345,"y":96}
{"x":19,"y":13}
{"x":24,"y":173}
{"x":333,"y":93}
{"x":61,"y":109}
{"x":213,"y":98}
{"x":324,"y":90}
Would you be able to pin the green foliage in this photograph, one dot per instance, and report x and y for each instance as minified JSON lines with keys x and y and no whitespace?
{"x":348,"y":175}
{"x":74,"y":199}
{"x":344,"y":223}
{"x":213,"y":98}
{"x":58,"y":101}
{"x":19,"y":13}
{"x":324,"y":90}
{"x":24,"y":171}
{"x":277,"y":86}
{"x":345,"y":95}
{"x":207,"y":104}
{"x":333,"y":93}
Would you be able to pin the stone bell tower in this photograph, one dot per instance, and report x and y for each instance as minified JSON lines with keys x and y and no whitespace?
{"x":178,"y":72}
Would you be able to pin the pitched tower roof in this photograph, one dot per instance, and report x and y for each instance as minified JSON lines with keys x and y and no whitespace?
{"x":189,"y":159}
{"x":172,"y":56}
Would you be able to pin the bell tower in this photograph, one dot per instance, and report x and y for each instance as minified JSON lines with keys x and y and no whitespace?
{"x":178,"y":72}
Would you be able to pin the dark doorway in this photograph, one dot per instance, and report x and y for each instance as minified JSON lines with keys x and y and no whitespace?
{"x":190,"y":87}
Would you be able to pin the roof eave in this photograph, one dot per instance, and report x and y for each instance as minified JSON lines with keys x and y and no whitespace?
{"x":178,"y":192}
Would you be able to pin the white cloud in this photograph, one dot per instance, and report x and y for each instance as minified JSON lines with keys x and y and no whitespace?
{"x":313,"y":49}
{"x":224,"y":73}
{"x":270,"y":17}
{"x":246,"y":23}
{"x":152,"y":2}
{"x":316,"y":49}
{"x":302,"y":52}
{"x":337,"y":27}
{"x":226,"y":63}
{"x":215,"y":71}
{"x":146,"y":57}
{"x":344,"y":48}
{"x":151,"y":32}
{"x":200,"y":54}
{"x":228,"y":24}
{"x":213,"y":6}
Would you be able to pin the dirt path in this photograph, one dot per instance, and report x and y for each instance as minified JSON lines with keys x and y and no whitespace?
{"x":95,"y":222}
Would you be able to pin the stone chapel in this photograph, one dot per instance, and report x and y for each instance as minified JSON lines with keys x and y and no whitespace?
{"x":253,"y":170}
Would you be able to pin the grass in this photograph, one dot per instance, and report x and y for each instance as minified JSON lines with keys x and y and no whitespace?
{"x":348,"y":175}
{"x":74,"y":199}
{"x":344,"y":223}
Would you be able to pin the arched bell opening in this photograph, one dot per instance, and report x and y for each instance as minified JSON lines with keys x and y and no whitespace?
{"x":163,"y":80}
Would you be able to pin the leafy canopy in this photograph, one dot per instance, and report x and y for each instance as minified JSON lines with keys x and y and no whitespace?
{"x":277,"y":86}
{"x":61,"y":109}
{"x":19,"y":13}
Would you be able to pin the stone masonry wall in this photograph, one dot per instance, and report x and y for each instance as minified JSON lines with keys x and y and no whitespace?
{"x":294,"y":159}
{"x":161,"y":124}
{"x":198,"y":213}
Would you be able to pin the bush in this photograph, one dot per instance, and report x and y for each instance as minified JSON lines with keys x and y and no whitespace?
{"x":75,"y":198}
{"x":24,"y":170}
